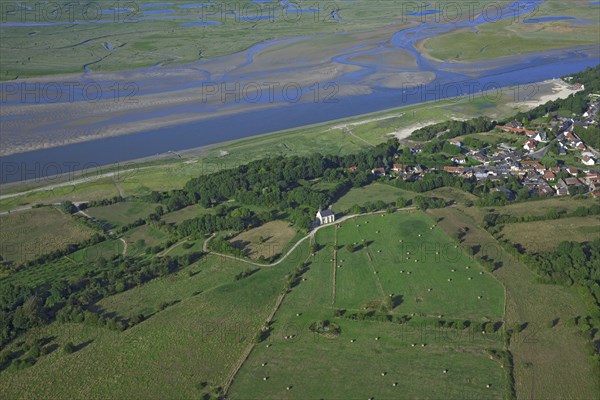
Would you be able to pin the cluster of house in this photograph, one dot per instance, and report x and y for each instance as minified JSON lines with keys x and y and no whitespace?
{"x":504,"y":160}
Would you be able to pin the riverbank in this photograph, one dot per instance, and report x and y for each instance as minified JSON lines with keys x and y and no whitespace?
{"x":171,"y":169}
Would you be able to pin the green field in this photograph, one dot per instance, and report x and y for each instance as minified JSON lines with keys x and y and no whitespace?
{"x":350,"y":365}
{"x":538,"y":367}
{"x":27,"y":235}
{"x":430,"y":265}
{"x":123,"y":213}
{"x":195,"y":340}
{"x":370,"y":194}
{"x":275,"y":235}
{"x":546,"y":235}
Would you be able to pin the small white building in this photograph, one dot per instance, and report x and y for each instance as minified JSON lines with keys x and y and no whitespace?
{"x":325,"y":216}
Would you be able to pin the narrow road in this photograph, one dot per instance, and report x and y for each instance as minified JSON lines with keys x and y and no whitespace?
{"x":124,"y":246}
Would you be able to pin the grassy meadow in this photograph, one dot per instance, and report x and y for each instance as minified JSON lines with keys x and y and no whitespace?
{"x":539,"y":370}
{"x":29,"y":234}
{"x":120,"y":214}
{"x":351,"y":365}
{"x":266,"y":240}
{"x":546,"y":235}
{"x":177,"y":351}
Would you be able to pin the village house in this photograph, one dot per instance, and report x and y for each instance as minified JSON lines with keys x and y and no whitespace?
{"x":536,"y":165}
{"x":399,"y":168}
{"x":549,"y":175}
{"x":325,"y":217}
{"x":514,"y":124}
{"x":592,"y":177}
{"x":580,"y":145}
{"x":530,"y":145}
{"x":570,"y":136}
{"x":544,"y":189}
{"x":455,"y":142}
{"x":573,"y":182}
{"x":459,"y":160}
{"x":572,"y":171}
{"x":541,"y":136}
{"x":588,"y":160}
{"x":561,"y":188}
{"x":454,"y":170}
{"x":378,"y":171}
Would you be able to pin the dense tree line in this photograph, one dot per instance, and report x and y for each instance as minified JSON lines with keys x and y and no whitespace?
{"x":277,"y":183}
{"x":23,"y":307}
{"x":425,"y":202}
{"x":494,"y":219}
{"x":452,"y":128}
